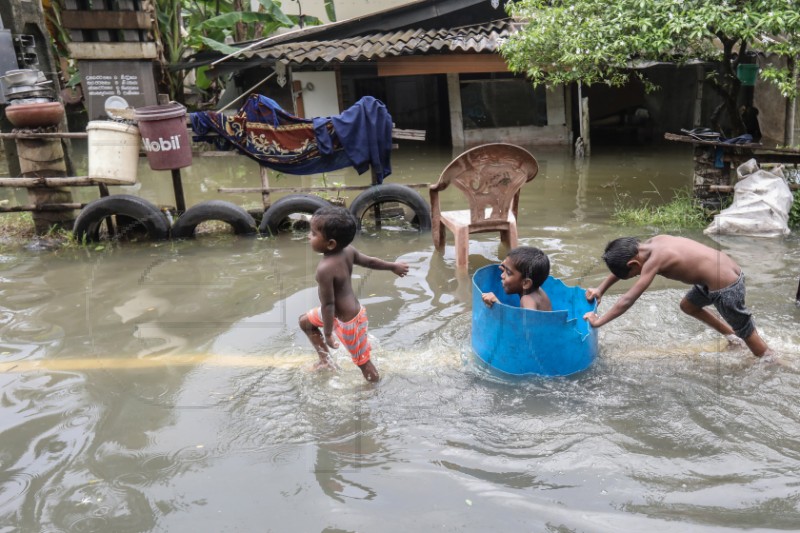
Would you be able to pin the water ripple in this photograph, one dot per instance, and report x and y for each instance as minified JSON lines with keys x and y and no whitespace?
{"x":32,"y":330}
{"x":28,"y":298}
{"x":98,"y":506}
{"x":15,"y":485}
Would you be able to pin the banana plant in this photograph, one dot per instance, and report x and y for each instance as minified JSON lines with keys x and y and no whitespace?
{"x":209,"y":25}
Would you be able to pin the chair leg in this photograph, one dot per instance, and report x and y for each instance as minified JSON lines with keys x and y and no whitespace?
{"x":438,"y":233}
{"x":512,"y":239}
{"x":505,"y":238}
{"x":462,"y":248}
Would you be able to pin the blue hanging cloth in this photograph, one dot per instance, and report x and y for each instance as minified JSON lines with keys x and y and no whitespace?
{"x":360,"y":137}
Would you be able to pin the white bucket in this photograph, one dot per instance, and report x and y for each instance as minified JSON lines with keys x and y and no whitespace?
{"x":113,"y":152}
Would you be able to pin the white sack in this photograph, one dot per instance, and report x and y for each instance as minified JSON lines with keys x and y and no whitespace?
{"x":761,"y":204}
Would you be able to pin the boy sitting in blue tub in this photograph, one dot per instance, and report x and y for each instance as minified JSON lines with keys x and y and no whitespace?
{"x":522,"y":272}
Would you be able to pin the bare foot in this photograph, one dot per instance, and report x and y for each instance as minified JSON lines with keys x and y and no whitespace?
{"x":370,"y":372}
{"x":735,"y":342}
{"x":325,"y":365}
{"x":770,"y":358}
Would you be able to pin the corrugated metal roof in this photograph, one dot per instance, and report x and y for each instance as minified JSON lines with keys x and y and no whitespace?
{"x":482,"y":38}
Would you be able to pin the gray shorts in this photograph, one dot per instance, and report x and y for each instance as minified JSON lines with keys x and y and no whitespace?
{"x":730,"y":304}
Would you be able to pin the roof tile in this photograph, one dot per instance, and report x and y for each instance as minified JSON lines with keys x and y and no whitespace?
{"x":479,"y":38}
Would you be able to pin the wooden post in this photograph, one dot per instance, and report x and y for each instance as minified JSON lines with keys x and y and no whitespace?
{"x":45,"y":158}
{"x":376,"y":209}
{"x":456,"y":118}
{"x":177,"y":186}
{"x":297,"y":96}
{"x":264,"y":171}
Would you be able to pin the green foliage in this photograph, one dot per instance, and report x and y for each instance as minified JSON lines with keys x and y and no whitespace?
{"x":794,"y":213}
{"x":598,"y":41}
{"x":330,"y":10}
{"x":682,"y":212}
{"x":210,"y":23}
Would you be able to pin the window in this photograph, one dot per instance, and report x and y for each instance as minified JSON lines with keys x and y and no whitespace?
{"x":496,"y":101}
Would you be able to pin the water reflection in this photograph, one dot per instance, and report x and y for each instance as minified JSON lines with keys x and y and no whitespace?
{"x":165,"y":386}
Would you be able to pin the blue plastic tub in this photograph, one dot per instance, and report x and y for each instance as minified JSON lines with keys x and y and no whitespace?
{"x":522,"y":342}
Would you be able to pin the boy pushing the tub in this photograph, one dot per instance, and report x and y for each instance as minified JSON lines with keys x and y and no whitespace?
{"x":715,"y":277}
{"x":332,"y":231}
{"x":522,"y":272}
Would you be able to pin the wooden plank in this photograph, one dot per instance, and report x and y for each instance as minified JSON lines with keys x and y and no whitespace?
{"x":106,"y":20}
{"x":240,"y":190}
{"x":729,"y":188}
{"x":413,"y":135}
{"x":42,"y":207}
{"x":441,"y":64}
{"x":689,"y":139}
{"x":32,"y":135}
{"x":216,"y":153}
{"x":130,"y":35}
{"x":113,"y":51}
{"x":27,"y":183}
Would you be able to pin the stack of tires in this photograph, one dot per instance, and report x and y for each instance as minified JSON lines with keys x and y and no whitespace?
{"x":130,"y":218}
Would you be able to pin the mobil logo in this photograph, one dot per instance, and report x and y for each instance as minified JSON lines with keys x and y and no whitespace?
{"x":161,"y":144}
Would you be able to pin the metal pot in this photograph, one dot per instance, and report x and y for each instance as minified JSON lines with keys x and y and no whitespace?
{"x":16,"y":77}
{"x":31,"y":93}
{"x":23,"y":101}
{"x":16,"y":89}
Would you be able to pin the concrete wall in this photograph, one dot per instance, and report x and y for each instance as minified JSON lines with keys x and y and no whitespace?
{"x":526,"y":135}
{"x":345,"y":9}
{"x":771,"y":107}
{"x":320,"y":93}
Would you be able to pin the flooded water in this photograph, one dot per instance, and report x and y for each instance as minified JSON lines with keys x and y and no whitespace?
{"x":166,"y":387}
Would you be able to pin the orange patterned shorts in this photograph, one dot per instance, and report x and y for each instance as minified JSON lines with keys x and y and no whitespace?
{"x":352,"y":334}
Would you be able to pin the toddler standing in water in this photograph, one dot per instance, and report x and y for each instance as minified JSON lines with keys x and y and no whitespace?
{"x":522,"y":272}
{"x":332,"y":231}
{"x":716,"y":279}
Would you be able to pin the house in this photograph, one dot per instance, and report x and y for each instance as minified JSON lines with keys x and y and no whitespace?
{"x":434,"y":63}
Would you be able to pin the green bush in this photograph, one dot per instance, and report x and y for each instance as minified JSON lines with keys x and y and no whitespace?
{"x":794,"y":214}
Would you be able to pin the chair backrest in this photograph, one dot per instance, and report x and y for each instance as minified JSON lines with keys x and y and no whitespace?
{"x":490,"y":176}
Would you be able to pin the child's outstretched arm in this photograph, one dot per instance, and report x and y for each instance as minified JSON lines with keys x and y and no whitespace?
{"x":399,"y":268}
{"x":598,"y":292}
{"x":625,"y":301}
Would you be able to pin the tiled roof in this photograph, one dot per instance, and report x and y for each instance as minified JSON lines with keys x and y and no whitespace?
{"x":484,"y":38}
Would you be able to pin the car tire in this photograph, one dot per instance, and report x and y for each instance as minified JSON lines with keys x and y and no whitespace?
{"x":235,"y":216}
{"x":133,"y":216}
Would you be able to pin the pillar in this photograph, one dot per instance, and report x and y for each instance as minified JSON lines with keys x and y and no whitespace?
{"x":45,"y":158}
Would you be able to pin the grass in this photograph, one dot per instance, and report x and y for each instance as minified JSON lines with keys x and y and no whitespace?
{"x":682,"y":212}
{"x":16,"y":226}
{"x":17,"y":230}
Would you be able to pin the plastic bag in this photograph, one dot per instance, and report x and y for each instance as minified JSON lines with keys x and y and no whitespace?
{"x":761,"y":204}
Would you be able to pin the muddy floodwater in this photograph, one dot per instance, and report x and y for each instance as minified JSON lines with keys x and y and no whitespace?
{"x":165,"y":387}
